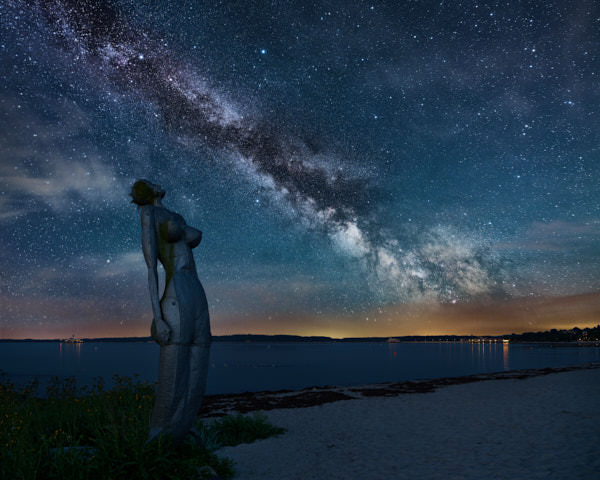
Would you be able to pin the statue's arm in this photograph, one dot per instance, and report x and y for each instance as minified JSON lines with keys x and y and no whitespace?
{"x":150,"y":249}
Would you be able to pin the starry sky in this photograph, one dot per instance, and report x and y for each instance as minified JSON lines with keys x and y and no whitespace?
{"x":358,"y":168}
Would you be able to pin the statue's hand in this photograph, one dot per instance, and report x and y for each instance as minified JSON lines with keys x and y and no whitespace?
{"x":163,"y":332}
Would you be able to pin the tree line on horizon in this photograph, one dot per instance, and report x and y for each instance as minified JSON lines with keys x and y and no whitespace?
{"x":575,"y":334}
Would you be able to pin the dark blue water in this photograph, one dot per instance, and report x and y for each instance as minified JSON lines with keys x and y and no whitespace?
{"x":239,"y":367}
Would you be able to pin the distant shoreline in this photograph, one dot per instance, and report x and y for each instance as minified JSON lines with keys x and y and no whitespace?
{"x":575,"y":336}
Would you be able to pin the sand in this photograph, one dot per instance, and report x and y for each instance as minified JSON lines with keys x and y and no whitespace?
{"x":544,"y":427}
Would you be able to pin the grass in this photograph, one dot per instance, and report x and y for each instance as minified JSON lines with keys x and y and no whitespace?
{"x":235,"y":429}
{"x":37,"y":435}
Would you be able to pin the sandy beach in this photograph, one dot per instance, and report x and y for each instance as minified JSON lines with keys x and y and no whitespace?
{"x":517,"y":428}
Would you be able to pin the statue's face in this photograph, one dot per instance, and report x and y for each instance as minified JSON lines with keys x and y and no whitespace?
{"x":158,"y":189}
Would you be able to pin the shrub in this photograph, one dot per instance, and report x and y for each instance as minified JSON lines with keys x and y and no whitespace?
{"x":94,"y":433}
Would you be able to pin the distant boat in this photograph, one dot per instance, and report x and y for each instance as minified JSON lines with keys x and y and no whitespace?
{"x":393,"y":340}
{"x":72,"y":339}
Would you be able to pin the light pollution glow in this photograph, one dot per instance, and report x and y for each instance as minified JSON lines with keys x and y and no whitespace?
{"x":516,"y":316}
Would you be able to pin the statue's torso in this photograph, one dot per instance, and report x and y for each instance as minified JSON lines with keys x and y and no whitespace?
{"x":173,"y":235}
{"x":183,"y":302}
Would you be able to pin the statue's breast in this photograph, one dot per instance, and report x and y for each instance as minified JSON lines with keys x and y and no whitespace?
{"x":192,"y":236}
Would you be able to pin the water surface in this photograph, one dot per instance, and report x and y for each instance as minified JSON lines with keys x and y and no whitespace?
{"x":239,"y":367}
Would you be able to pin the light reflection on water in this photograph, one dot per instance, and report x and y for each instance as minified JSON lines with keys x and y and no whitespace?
{"x":69,"y":349}
{"x":238,"y":367}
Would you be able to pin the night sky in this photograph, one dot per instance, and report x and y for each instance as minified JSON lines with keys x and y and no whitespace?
{"x":357,"y":168}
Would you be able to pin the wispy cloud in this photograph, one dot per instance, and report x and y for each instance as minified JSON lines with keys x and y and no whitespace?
{"x":59,"y":184}
{"x":556,"y":236}
{"x":49,"y":163}
{"x":47,"y":316}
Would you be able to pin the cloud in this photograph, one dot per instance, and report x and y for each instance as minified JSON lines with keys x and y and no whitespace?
{"x":9,"y":210}
{"x":61,"y":182}
{"x":560,"y":236}
{"x":112,"y":277}
{"x":46,"y":316}
{"x":111,"y":266}
{"x":556,"y":236}
{"x":49,"y":162}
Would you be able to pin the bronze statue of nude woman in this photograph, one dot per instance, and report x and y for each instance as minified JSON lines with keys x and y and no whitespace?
{"x":181,"y":324}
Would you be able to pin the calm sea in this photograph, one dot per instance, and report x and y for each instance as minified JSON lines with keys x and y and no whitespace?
{"x":239,"y":367}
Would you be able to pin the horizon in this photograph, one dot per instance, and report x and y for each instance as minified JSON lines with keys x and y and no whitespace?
{"x":561,"y":313}
{"x":304,"y":336}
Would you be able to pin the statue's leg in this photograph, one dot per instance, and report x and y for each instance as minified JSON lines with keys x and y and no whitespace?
{"x":199,"y":362}
{"x":200,"y":355}
{"x":169,"y":416}
{"x":184,"y":363}
{"x":181,"y":384}
{"x":200,"y":352}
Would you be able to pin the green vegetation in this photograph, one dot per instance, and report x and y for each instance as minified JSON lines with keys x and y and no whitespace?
{"x":235,"y":429}
{"x":96,"y":433}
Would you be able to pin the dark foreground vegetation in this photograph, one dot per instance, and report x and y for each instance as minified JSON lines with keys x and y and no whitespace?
{"x":93,"y":433}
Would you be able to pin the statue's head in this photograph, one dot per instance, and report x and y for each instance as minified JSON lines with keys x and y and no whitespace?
{"x":144,"y":192}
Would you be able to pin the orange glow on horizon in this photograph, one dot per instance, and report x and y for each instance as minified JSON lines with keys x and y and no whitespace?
{"x":425,"y":319}
{"x":431,"y":319}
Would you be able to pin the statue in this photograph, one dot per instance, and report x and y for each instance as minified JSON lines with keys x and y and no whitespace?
{"x":181,"y":324}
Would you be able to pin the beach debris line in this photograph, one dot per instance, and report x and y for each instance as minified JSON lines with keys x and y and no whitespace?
{"x":220,"y":405}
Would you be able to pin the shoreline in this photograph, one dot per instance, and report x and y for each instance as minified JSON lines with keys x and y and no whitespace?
{"x":223,"y":404}
{"x":533,"y":424}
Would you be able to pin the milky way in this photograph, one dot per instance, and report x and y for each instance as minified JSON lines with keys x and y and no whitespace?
{"x":190,"y":110}
{"x":318,"y":189}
